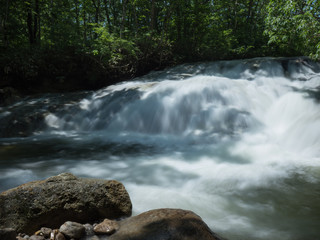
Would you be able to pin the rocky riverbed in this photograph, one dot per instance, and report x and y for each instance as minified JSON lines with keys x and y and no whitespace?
{"x":65,"y":207}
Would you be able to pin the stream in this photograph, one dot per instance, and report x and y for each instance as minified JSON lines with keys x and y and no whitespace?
{"x":237,"y":142}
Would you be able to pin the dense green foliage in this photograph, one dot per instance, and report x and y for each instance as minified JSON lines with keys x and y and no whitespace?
{"x":98,"y":42}
{"x":293,"y":27}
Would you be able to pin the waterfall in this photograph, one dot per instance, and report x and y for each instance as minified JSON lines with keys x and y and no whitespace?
{"x":235,"y":141}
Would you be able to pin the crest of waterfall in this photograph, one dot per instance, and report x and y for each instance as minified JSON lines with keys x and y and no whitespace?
{"x":206,"y":102}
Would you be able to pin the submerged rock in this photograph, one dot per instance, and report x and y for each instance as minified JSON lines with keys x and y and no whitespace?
{"x":62,"y":198}
{"x":164,"y":224}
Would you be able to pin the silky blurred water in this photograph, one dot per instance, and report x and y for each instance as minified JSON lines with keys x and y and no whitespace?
{"x":237,"y":142}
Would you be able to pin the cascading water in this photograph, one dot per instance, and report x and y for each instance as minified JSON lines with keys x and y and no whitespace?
{"x":237,"y":142}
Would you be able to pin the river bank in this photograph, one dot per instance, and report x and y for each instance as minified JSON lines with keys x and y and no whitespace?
{"x":67,"y":70}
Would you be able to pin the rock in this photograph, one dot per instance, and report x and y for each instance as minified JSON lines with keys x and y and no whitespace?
{"x":44,"y":232}
{"x":89,"y":229}
{"x":92,"y":238}
{"x":62,"y":198}
{"x":21,"y":124}
{"x":107,"y":227}
{"x":22,"y":236}
{"x":8,"y":95}
{"x":59,"y":236}
{"x":164,"y":224}
{"x":54,"y":233}
{"x":36,"y":237}
{"x":8,"y":234}
{"x":73,"y":230}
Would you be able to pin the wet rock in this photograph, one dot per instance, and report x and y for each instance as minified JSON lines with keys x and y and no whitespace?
{"x":107,"y":227}
{"x":62,"y":198}
{"x":37,"y":237}
{"x":89,"y":229}
{"x":92,"y":238}
{"x":8,"y":234}
{"x":8,"y":95}
{"x":46,"y":232}
{"x":73,"y":230}
{"x":164,"y":224}
{"x":22,"y":236}
{"x":59,"y":236}
{"x":21,"y":124}
{"x":54,"y":233}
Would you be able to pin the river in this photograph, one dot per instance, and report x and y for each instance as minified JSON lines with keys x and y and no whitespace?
{"x":237,"y":142}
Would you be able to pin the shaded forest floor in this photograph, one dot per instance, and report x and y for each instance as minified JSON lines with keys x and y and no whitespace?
{"x":32,"y":72}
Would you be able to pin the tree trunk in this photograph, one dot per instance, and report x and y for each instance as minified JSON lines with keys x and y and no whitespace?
{"x":33,"y":22}
{"x":167,"y":20}
{"x":124,"y":10}
{"x":97,"y":12}
{"x":250,"y":11}
{"x":76,"y":3}
{"x":84,"y":26}
{"x":29,"y":23}
{"x":178,"y":23}
{"x":135,"y":20}
{"x":4,"y":25}
{"x":106,"y":7}
{"x":114,"y":13}
{"x":96,"y":15}
{"x":36,"y":23}
{"x":235,"y":14}
{"x":153,"y":15}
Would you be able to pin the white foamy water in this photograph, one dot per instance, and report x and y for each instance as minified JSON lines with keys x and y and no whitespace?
{"x":236,"y":142}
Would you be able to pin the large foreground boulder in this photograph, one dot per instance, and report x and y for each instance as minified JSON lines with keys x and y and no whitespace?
{"x":164,"y":224}
{"x":62,"y":198}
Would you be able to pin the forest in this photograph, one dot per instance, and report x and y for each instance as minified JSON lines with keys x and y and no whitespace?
{"x":67,"y":45}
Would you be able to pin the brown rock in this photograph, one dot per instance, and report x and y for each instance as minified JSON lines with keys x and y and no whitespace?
{"x":62,"y":198}
{"x":73,"y":230}
{"x":59,"y":236}
{"x":164,"y":224}
{"x":107,"y":227}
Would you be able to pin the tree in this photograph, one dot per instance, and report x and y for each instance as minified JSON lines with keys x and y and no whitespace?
{"x":294,"y":26}
{"x":131,"y":37}
{"x":33,"y":21}
{"x":3,"y":23}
